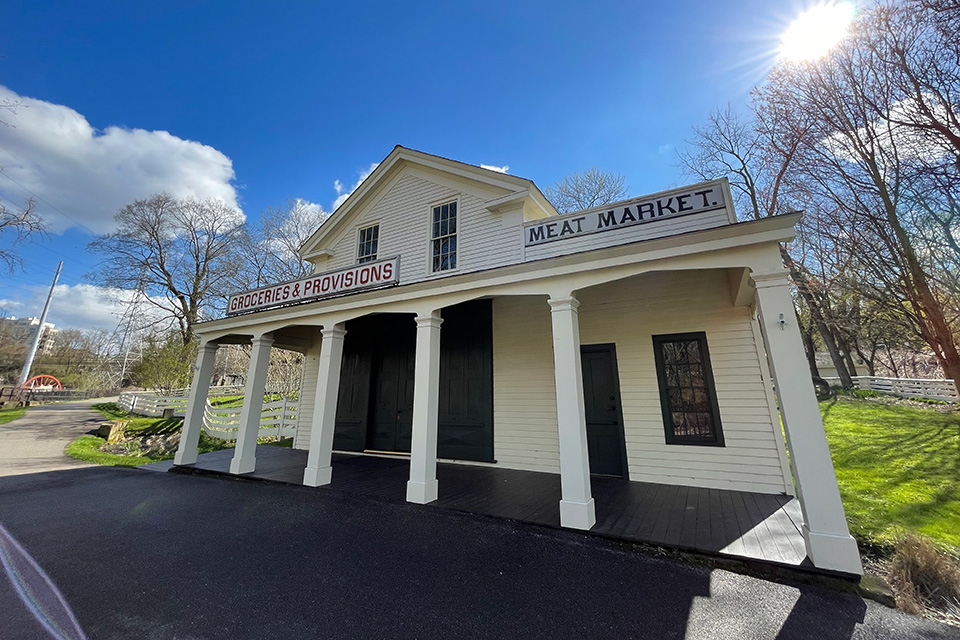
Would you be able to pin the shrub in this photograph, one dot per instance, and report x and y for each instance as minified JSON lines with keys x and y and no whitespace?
{"x":924,"y":576}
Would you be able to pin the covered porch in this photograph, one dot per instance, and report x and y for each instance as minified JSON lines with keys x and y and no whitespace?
{"x":544,"y":319}
{"x":733,"y":524}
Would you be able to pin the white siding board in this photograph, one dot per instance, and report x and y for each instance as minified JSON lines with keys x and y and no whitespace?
{"x":308,"y":395}
{"x":628,"y":313}
{"x":524,"y":393}
{"x":483,"y":241}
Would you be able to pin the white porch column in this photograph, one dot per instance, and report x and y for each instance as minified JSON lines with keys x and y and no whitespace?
{"x":422,"y":486}
{"x":245,"y":455}
{"x":318,"y":471}
{"x":577,"y":507}
{"x":193,"y":419}
{"x":825,"y":533}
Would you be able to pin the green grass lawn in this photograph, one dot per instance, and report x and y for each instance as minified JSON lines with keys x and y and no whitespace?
{"x":88,"y":447}
{"x":139,"y":425}
{"x":11,"y":413}
{"x":898,"y":468}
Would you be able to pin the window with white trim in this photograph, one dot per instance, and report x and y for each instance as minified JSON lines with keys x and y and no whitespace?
{"x":443,"y":237}
{"x":367,"y":244}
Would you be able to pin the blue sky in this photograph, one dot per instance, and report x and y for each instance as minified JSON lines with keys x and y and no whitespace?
{"x":257,"y":102}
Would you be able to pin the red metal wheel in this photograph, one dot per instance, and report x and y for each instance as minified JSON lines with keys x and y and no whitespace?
{"x":41,"y":381}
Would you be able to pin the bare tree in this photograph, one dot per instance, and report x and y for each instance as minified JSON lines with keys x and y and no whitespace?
{"x":181,"y":253}
{"x":17,"y":227}
{"x":758,"y":164}
{"x":272,"y":247}
{"x":583,"y":190}
{"x":860,"y":158}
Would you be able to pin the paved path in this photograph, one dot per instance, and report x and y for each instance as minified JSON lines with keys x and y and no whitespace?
{"x":160,"y":555}
{"x":35,"y":442}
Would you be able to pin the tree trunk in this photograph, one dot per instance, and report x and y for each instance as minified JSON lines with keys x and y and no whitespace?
{"x":847,"y":353}
{"x":810,"y":349}
{"x":816,"y":317}
{"x":940,"y":338}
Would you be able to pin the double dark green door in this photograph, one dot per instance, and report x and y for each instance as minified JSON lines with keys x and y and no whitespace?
{"x":375,"y":404}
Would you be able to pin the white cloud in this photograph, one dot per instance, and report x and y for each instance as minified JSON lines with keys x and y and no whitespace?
{"x":343,"y":193}
{"x":492,"y":167}
{"x":81,"y":306}
{"x":89,"y":174}
{"x":6,"y":305}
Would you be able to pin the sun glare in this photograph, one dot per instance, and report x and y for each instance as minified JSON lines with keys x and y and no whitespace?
{"x":816,"y":31}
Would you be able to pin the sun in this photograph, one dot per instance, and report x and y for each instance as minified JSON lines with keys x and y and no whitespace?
{"x":816,"y":31}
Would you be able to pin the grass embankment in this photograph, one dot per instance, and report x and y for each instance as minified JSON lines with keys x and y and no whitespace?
{"x":12,"y":413}
{"x":87,"y":448}
{"x":898,"y":468}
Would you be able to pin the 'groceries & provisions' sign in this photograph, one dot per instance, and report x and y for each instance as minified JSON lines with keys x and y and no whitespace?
{"x":322,"y":285}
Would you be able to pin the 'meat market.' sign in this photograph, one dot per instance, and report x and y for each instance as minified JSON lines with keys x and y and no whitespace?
{"x":707,"y":197}
{"x":322,"y":285}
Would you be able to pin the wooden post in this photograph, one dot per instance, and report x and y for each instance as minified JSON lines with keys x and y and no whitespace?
{"x":828,"y":540}
{"x":577,"y":508}
{"x":422,"y":486}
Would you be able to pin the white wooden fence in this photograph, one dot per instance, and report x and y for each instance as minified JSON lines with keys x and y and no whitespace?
{"x":278,"y":419}
{"x":943,"y":390}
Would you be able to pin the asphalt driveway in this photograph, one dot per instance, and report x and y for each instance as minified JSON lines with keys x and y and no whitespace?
{"x":35,"y":442}
{"x":157,"y":555}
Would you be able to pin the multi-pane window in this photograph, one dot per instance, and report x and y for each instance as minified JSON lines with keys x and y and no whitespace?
{"x":691,"y":414}
{"x":444,"y":237}
{"x":367,"y":247}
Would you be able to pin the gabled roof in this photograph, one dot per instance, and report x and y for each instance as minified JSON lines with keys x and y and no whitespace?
{"x":402,"y":156}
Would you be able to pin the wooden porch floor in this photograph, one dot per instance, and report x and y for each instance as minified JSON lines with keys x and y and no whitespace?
{"x":736,"y":524}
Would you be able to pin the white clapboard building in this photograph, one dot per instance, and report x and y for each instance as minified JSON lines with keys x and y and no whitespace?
{"x":454,"y":314}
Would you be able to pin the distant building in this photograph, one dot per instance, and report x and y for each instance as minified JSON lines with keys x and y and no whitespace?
{"x":827,"y":370}
{"x":23,"y":329}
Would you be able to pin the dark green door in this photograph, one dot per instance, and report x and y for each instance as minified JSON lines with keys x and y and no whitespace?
{"x":601,"y":396}
{"x":466,"y":382}
{"x":391,"y":412}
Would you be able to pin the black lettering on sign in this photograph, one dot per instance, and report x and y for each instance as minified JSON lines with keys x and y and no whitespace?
{"x":682,"y":204}
{"x":566,"y":229}
{"x":645,"y":210}
{"x":608,"y":219}
{"x":552,"y":230}
{"x":627,"y":216}
{"x":665,"y":207}
{"x":703,"y":194}
{"x":579,"y":222}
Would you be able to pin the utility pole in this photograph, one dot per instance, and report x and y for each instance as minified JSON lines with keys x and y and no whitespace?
{"x":25,"y":373}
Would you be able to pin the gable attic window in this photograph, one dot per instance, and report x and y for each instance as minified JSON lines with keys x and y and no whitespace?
{"x":367,"y":245}
{"x":444,"y":237}
{"x":688,"y":398}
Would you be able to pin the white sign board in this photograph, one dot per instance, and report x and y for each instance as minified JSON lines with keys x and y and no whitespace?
{"x":643,"y":210}
{"x":322,"y":285}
